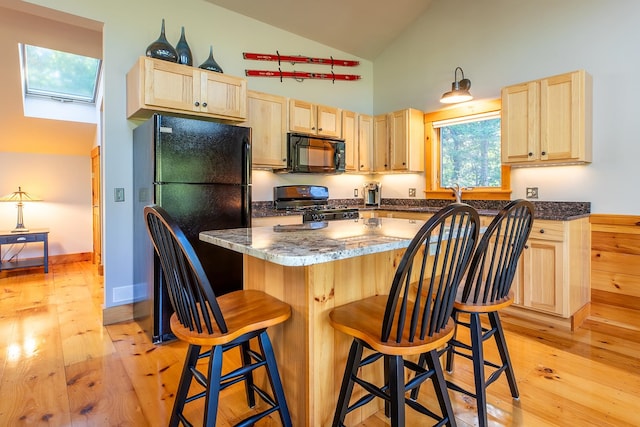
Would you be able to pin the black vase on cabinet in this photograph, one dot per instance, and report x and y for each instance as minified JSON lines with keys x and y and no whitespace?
{"x":162,"y":49}
{"x":211,"y":64}
{"x":184,"y":51}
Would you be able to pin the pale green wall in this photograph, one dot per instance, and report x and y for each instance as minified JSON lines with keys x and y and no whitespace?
{"x":501,"y":42}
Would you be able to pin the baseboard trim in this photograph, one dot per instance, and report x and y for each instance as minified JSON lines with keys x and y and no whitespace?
{"x":117,"y":314}
{"x":69,"y":258}
{"x":612,"y":298}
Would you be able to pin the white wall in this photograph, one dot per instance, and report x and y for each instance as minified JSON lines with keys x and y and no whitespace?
{"x":129,"y":26}
{"x":502,"y":42}
{"x":64,"y":185}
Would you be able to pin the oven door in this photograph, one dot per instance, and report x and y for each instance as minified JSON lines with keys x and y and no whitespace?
{"x":308,"y":154}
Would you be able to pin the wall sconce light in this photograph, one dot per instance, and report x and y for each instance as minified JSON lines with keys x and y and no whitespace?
{"x":19,"y":197}
{"x":459,"y":90}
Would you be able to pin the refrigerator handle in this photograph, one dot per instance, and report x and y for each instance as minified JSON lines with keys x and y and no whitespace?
{"x":247,"y":158}
{"x":246,"y":209}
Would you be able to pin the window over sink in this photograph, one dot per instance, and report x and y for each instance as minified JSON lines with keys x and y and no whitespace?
{"x":463,"y":148}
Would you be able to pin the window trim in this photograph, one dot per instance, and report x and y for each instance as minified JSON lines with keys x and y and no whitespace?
{"x":432,"y":153}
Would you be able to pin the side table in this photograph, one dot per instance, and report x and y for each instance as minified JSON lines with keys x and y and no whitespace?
{"x":31,"y":236}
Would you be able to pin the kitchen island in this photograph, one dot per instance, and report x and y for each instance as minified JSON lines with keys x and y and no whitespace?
{"x":314,"y":270}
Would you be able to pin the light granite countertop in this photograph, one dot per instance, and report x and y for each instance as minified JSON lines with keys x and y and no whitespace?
{"x":335,"y":240}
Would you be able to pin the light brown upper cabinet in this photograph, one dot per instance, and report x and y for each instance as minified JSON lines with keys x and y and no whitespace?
{"x":357,"y":132}
{"x":267,"y":118}
{"x":365,"y":142}
{"x":314,"y":119}
{"x":548,"y":121}
{"x":399,"y":141}
{"x":350,"y":136}
{"x":154,"y":85}
{"x":381,"y":143}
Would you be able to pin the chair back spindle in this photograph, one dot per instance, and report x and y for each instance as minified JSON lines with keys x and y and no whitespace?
{"x":495,"y":260}
{"x":190,"y":291}
{"x":425,"y":283}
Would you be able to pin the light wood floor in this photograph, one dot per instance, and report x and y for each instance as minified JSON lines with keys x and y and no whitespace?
{"x":60,"y":367}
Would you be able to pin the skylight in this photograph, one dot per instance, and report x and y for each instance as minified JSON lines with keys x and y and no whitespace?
{"x":59,"y":75}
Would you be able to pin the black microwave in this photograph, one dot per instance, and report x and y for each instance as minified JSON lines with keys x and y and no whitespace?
{"x":314,"y":154}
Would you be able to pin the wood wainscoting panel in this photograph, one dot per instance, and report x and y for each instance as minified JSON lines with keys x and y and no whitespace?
{"x":615,"y":259}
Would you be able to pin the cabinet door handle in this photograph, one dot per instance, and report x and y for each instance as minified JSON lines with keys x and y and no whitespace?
{"x":21,"y":239}
{"x":197,"y":104}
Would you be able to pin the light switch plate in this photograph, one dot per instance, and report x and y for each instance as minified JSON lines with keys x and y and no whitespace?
{"x":118,"y":194}
{"x":532,"y":192}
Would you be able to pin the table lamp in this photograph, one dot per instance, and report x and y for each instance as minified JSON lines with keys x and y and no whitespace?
{"x":19,"y":197}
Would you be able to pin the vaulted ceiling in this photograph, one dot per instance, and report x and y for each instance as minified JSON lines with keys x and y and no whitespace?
{"x":359,"y":27}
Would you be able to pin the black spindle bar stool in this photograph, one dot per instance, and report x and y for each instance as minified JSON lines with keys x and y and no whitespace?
{"x":415,"y":318}
{"x":218,"y":324}
{"x":486,"y":290}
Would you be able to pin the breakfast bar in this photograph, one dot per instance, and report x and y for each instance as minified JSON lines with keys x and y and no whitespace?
{"x":315,"y":267}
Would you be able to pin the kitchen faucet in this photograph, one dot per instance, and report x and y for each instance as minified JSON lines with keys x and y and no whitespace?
{"x":457,"y":191}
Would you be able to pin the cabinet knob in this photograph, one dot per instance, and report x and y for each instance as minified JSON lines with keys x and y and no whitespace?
{"x":313,"y":128}
{"x":542,"y":231}
{"x":526,"y":246}
{"x":204,"y":104}
{"x":197,"y":104}
{"x":319,"y":128}
{"x":530,"y":154}
{"x":544,"y":153}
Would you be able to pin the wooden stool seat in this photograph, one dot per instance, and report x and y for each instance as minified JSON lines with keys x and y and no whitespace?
{"x":243,"y":311}
{"x":361,"y":319}
{"x":496,"y":305}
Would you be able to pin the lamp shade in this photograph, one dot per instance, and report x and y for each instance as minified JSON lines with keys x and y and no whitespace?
{"x":459,"y":90}
{"x":19,"y":197}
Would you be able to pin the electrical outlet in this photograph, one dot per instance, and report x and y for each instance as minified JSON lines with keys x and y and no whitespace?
{"x":355,"y":192}
{"x":118,"y":194}
{"x":532,"y":192}
{"x":412,"y":192}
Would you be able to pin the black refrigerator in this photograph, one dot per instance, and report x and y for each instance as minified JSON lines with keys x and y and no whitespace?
{"x":200,"y":173}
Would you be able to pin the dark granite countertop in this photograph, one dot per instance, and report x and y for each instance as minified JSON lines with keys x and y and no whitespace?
{"x":557,"y":211}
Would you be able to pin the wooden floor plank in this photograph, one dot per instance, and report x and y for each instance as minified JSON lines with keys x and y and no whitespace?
{"x":60,"y":367}
{"x":96,"y":399}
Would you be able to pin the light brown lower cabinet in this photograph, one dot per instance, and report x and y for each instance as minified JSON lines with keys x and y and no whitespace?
{"x":553,"y":282}
{"x":553,"y":275}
